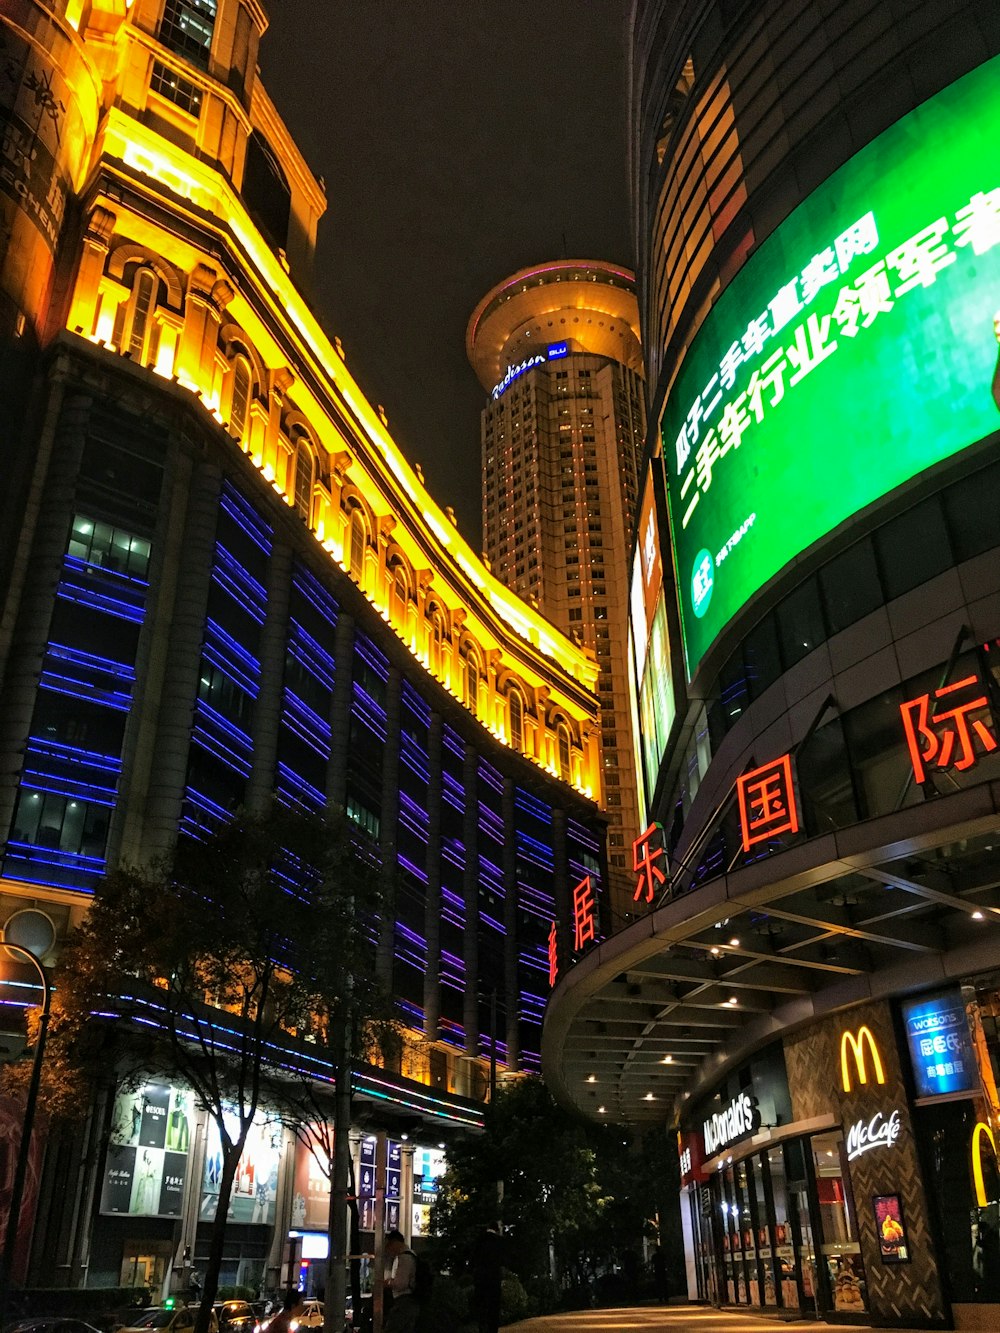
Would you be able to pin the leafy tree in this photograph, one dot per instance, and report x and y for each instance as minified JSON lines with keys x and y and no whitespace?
{"x":219,"y":962}
{"x":583,"y":1194}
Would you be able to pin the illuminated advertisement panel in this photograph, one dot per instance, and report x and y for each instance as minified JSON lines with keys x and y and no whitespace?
{"x":941,"y":1054}
{"x":255,"y":1189}
{"x":147,"y":1157}
{"x":656,"y":695}
{"x":650,"y":640}
{"x":854,"y":350}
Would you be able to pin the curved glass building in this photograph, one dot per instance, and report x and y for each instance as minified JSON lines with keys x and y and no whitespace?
{"x":811,"y":998}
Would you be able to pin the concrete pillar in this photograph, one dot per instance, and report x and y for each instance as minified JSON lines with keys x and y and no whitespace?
{"x":28,"y":597}
{"x":432,"y":904}
{"x":512,"y":990}
{"x":560,"y":887}
{"x":388,"y":826}
{"x":180,"y":636}
{"x":470,"y":886}
{"x":340,"y":712}
{"x":267,"y":710}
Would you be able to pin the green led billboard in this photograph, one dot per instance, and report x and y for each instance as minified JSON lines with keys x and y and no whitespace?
{"x":855,"y":349}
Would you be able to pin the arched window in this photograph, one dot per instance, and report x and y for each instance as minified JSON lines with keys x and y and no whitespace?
{"x":358,"y":543}
{"x":304,"y":480}
{"x":399,"y":596}
{"x":471,"y":682}
{"x":239,"y":408}
{"x":435,"y":639}
{"x":136,"y":330}
{"x":515,"y":706}
{"x":565,"y":765}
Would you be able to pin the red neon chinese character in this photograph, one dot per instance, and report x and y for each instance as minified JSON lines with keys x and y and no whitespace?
{"x":553,"y":955}
{"x":583,"y":913}
{"x":644,"y":858}
{"x":946,"y":738}
{"x":767,"y":802}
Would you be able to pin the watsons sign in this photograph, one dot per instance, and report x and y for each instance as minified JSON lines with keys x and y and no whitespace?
{"x":879,"y":1132}
{"x":740,"y":1119}
{"x":553,"y":352}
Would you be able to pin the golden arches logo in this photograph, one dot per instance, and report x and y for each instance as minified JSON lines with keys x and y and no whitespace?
{"x":977,"y":1161}
{"x":854,"y":1045}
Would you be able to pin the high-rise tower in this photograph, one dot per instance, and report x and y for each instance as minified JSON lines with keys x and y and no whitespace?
{"x":557,"y":348}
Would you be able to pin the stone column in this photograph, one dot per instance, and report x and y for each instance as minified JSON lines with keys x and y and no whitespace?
{"x":512,"y":990}
{"x":470,"y":887}
{"x":178,"y":629}
{"x":560,"y":887}
{"x":432,"y":905}
{"x":28,"y":600}
{"x":388,"y":827}
{"x":267,"y":710}
{"x":340,"y":712}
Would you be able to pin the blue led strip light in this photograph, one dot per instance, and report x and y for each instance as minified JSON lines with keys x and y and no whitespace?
{"x":145,"y":1012}
{"x":246,"y":517}
{"x":316,"y":596}
{"x":66,"y":792}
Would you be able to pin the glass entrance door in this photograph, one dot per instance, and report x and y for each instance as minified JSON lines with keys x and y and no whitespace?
{"x":842,"y":1285}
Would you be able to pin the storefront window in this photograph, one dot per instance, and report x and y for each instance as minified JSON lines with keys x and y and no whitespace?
{"x":838,"y":1228}
{"x":969,"y":1223}
{"x":763,"y":1229}
{"x":748,"y":1221}
{"x":783,"y":1252}
{"x":732,"y":1241}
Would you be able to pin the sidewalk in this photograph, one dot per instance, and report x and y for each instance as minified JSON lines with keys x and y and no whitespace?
{"x":665,"y":1319}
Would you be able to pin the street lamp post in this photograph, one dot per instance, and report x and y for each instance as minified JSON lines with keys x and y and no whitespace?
{"x":21,"y":1168}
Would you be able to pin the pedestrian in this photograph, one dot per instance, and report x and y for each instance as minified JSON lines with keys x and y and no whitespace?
{"x":401,"y":1281}
{"x":660,"y":1275}
{"x":291,"y":1308}
{"x":487,"y":1273}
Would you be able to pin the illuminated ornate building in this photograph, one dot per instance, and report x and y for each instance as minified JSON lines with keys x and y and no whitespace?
{"x":812,"y":1000}
{"x":222,"y":582}
{"x":557,"y":347}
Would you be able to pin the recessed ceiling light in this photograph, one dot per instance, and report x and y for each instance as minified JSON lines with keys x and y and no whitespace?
{"x":734,"y":943}
{"x":715,"y":951}
{"x":649,"y":1097}
{"x":601,"y":1110}
{"x":667,"y":1060}
{"x":977,"y":915}
{"x":591,"y":1078}
{"x":732,"y":1000}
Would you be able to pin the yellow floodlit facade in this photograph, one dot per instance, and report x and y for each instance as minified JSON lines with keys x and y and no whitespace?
{"x":219,"y":312}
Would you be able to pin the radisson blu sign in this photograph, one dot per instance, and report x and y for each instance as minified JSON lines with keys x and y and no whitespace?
{"x":554,"y":352}
{"x":855,"y":349}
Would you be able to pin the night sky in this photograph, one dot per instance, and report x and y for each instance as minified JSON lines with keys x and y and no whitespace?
{"x":460,"y":140}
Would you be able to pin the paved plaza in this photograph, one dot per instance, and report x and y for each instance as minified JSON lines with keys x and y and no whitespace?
{"x":669,"y":1319}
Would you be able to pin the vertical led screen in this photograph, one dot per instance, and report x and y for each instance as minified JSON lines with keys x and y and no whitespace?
{"x":854,"y":350}
{"x":650,"y":642}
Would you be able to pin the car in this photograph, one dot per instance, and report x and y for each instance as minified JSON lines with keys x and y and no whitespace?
{"x":311,"y":1316}
{"x":167,"y":1319}
{"x":235,"y":1316}
{"x":50,"y":1324}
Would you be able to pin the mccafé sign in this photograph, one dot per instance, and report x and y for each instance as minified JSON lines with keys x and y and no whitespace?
{"x":879,"y":1132}
{"x":859,"y":1057}
{"x":740,"y":1119}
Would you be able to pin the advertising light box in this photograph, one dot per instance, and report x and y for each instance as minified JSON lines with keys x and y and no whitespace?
{"x":854,"y":349}
{"x":941,"y":1053}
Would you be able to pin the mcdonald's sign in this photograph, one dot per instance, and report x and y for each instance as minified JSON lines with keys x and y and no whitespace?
{"x":852,"y":1044}
{"x":977,"y":1162}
